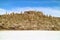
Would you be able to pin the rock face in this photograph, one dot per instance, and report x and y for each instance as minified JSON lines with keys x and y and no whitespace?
{"x":29,"y":20}
{"x":1,"y":26}
{"x":33,"y":12}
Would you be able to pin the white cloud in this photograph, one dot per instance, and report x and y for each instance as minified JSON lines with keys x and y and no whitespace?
{"x":45,"y":10}
{"x":2,"y":11}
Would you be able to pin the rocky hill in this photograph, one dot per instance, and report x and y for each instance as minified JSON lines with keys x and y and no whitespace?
{"x":29,"y":20}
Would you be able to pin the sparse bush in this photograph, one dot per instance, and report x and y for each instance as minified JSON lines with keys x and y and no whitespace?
{"x":27,"y":20}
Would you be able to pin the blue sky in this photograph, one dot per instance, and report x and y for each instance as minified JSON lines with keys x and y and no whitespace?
{"x":7,"y":4}
{"x":46,"y":6}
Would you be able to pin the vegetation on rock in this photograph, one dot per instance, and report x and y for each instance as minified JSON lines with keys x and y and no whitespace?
{"x":29,"y":20}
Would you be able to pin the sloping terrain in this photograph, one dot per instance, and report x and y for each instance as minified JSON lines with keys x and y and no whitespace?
{"x":29,"y":20}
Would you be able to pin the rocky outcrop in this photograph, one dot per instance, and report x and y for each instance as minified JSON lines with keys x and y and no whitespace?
{"x":29,"y":20}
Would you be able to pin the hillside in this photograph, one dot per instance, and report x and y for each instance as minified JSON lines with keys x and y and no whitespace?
{"x":29,"y":20}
